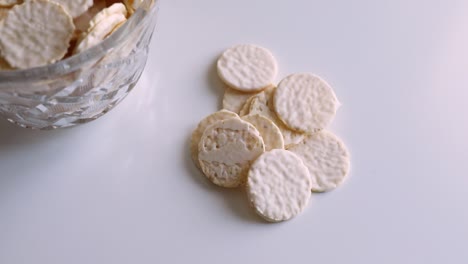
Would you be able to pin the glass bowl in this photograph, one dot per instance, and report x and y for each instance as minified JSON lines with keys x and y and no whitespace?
{"x":85,"y":86}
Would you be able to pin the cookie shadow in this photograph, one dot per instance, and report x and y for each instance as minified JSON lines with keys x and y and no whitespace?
{"x":215,"y":84}
{"x":235,"y":200}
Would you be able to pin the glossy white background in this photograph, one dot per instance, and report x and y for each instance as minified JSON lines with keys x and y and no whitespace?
{"x":123,"y":189}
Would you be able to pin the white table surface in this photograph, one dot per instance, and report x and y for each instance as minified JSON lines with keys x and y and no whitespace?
{"x":123,"y":189}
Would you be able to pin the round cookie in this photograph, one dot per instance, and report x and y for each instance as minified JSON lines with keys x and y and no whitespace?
{"x":327,"y":159}
{"x":271,"y":134}
{"x":247,"y":68}
{"x":226,"y":150}
{"x":198,"y":132}
{"x":278,"y":185}
{"x":30,"y":38}
{"x":305,"y":102}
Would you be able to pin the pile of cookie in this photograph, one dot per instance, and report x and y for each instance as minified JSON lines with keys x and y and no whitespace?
{"x":35,"y":33}
{"x":271,"y":139}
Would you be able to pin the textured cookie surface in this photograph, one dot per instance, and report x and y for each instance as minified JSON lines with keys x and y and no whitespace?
{"x":305,"y":102}
{"x":245,"y":110}
{"x":266,"y":97}
{"x":117,"y":8}
{"x":227,"y":149}
{"x":278,"y":185}
{"x":99,"y":32}
{"x":74,"y":7}
{"x":259,"y":105}
{"x":327,"y":159}
{"x":30,"y":38}
{"x":234,"y":100}
{"x":247,"y":68}
{"x":271,"y":134}
{"x":198,"y":132}
{"x":82,"y":22}
{"x":8,"y":3}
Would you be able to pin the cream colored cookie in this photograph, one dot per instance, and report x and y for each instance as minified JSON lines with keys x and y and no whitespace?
{"x":271,"y":134}
{"x":82,"y":22}
{"x":99,"y":32}
{"x":127,"y":51}
{"x":133,"y":5}
{"x":130,"y":4}
{"x":247,"y":68}
{"x":9,"y":3}
{"x":226,"y":150}
{"x":246,"y":107}
{"x":30,"y":38}
{"x":259,"y":106}
{"x":327,"y":159}
{"x":198,"y":132}
{"x":74,"y":7}
{"x":305,"y":102}
{"x":278,"y":185}
{"x":234,"y":100}
{"x":117,"y":8}
{"x":266,"y":97}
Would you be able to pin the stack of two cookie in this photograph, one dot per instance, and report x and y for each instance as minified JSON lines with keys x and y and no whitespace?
{"x":271,"y":139}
